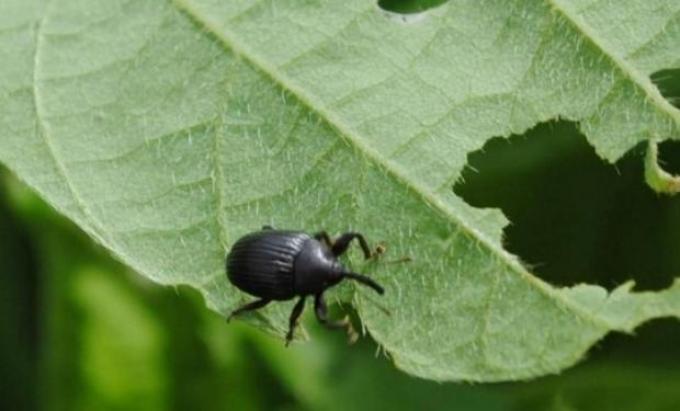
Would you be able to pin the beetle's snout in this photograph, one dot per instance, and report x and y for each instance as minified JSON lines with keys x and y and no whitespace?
{"x":335,"y":274}
{"x":337,"y":270}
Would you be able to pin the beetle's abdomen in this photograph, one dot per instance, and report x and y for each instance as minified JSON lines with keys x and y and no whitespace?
{"x":262,"y":263}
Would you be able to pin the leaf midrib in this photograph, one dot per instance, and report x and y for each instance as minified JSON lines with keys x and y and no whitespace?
{"x":229,"y":40}
{"x":628,"y":71}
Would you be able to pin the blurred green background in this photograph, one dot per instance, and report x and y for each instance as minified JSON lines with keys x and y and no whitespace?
{"x":82,"y":332}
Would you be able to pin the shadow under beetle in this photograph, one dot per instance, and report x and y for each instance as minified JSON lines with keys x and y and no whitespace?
{"x":280,"y":265}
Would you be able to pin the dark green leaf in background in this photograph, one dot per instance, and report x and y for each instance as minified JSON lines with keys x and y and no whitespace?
{"x":19,"y":305}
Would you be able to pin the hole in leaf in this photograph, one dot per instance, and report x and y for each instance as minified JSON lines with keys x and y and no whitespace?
{"x":664,"y":177}
{"x":574,"y":217}
{"x":669,"y":156}
{"x":668,"y":83}
{"x":409,"y":6}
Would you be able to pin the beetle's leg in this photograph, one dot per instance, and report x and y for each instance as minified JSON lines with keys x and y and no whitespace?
{"x":294,"y":315}
{"x":267,"y":227}
{"x":257,"y":304}
{"x":324,"y":237}
{"x":322,"y":315}
{"x":340,"y":246}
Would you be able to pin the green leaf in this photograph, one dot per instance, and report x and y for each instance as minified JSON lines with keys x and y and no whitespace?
{"x":168,"y":129}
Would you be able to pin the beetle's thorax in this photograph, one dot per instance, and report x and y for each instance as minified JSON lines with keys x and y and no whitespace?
{"x":316,"y":268}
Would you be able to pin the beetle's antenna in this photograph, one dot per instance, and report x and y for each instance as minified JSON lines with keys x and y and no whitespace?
{"x":365,"y":281}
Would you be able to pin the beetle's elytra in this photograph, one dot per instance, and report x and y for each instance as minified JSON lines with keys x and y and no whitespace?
{"x":280,"y":265}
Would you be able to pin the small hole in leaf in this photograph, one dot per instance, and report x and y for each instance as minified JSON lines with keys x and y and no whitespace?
{"x":669,"y":156}
{"x":574,"y":217}
{"x":409,"y":6}
{"x":668,"y":83}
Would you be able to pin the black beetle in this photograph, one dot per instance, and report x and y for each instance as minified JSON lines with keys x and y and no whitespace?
{"x":280,"y":265}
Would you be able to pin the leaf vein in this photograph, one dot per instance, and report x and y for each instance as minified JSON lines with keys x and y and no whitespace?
{"x":348,"y":135}
{"x":639,"y":80}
